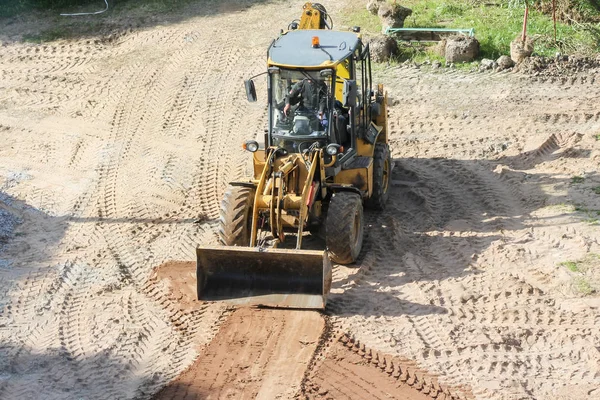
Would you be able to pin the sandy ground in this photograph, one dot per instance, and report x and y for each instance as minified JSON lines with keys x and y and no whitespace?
{"x":115,"y":153}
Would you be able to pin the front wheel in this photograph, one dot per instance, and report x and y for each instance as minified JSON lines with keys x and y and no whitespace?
{"x":344,"y":227}
{"x":235,"y":219}
{"x":382,"y":168}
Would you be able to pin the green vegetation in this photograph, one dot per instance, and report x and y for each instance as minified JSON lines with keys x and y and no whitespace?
{"x":597,"y":137}
{"x":596,"y":189}
{"x":563,"y":207}
{"x":136,"y":12}
{"x":577,"y":179}
{"x":583,"y":286}
{"x":583,"y":265}
{"x":359,"y":16}
{"x":56,"y":33}
{"x":496,"y":24}
{"x":22,"y":6}
{"x":585,"y":279}
{"x":571,"y":265}
{"x":591,"y":216}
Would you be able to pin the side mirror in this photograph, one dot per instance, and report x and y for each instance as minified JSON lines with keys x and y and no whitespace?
{"x":250,"y":90}
{"x":349,"y":93}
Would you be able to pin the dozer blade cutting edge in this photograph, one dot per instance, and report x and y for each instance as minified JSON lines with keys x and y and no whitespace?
{"x":270,"y":277}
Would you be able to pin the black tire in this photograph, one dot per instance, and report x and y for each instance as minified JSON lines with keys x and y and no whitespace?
{"x":344,"y":227}
{"x":382,"y":171}
{"x":235,"y":219}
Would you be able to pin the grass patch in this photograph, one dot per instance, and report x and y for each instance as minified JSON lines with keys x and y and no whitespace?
{"x":597,"y":137}
{"x":583,"y":286}
{"x":577,"y":179}
{"x":570,"y":265}
{"x":61,"y":32}
{"x":596,"y":189}
{"x":591,"y":260}
{"x":21,"y":6}
{"x":134,"y":12}
{"x":563,"y":207}
{"x":586,"y":279}
{"x":496,"y":24}
{"x":592,"y":216}
{"x":154,"y":6}
{"x":359,"y":16}
{"x":587,"y":210}
{"x":75,"y":6}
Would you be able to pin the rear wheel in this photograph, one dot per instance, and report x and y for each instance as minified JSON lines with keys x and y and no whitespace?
{"x":235,"y":219}
{"x":344,"y":227}
{"x":382,"y":168}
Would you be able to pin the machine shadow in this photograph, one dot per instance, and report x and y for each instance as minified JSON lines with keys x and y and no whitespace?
{"x":27,"y":234}
{"x":25,"y":373}
{"x":442,"y":215}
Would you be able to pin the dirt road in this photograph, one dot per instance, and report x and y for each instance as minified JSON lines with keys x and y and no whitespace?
{"x":115,"y":154}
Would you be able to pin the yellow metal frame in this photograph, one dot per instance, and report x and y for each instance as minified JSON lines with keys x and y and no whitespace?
{"x":311,"y":17}
{"x":270,"y":189}
{"x":270,"y":194}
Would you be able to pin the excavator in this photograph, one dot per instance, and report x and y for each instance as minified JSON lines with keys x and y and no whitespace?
{"x":321,"y":161}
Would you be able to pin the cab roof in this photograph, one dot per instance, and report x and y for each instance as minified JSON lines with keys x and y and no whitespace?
{"x":294,"y":48}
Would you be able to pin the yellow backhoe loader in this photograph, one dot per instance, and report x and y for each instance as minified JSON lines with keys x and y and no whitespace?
{"x":324,"y":155}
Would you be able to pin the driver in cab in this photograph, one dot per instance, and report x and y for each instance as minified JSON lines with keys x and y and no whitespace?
{"x":307,"y":93}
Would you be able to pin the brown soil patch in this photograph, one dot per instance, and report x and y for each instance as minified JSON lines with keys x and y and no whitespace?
{"x":258,"y":353}
{"x":180,"y":279}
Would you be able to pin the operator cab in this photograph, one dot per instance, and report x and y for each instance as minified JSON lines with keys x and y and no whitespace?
{"x":307,"y":119}
{"x":338,"y":64}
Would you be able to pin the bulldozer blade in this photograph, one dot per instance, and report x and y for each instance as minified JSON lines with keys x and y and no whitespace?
{"x":269,"y":277}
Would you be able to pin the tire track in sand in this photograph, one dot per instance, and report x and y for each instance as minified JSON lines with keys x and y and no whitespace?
{"x":446,"y":279}
{"x":347,"y":369}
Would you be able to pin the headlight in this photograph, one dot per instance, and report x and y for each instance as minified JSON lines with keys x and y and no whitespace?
{"x":332,"y":149}
{"x":251,"y":146}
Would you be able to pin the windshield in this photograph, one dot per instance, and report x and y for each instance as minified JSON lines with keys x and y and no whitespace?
{"x":300,"y":107}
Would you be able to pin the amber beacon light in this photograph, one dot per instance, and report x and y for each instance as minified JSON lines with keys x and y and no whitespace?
{"x":315,"y":41}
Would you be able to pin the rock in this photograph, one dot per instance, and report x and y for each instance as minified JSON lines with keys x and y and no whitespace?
{"x":519,"y":50}
{"x":533,"y":65}
{"x":373,"y":6}
{"x":436,"y":64}
{"x":486,"y":63}
{"x":392,"y":15}
{"x":461,"y":49}
{"x":383,"y":47}
{"x":504,"y":62}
